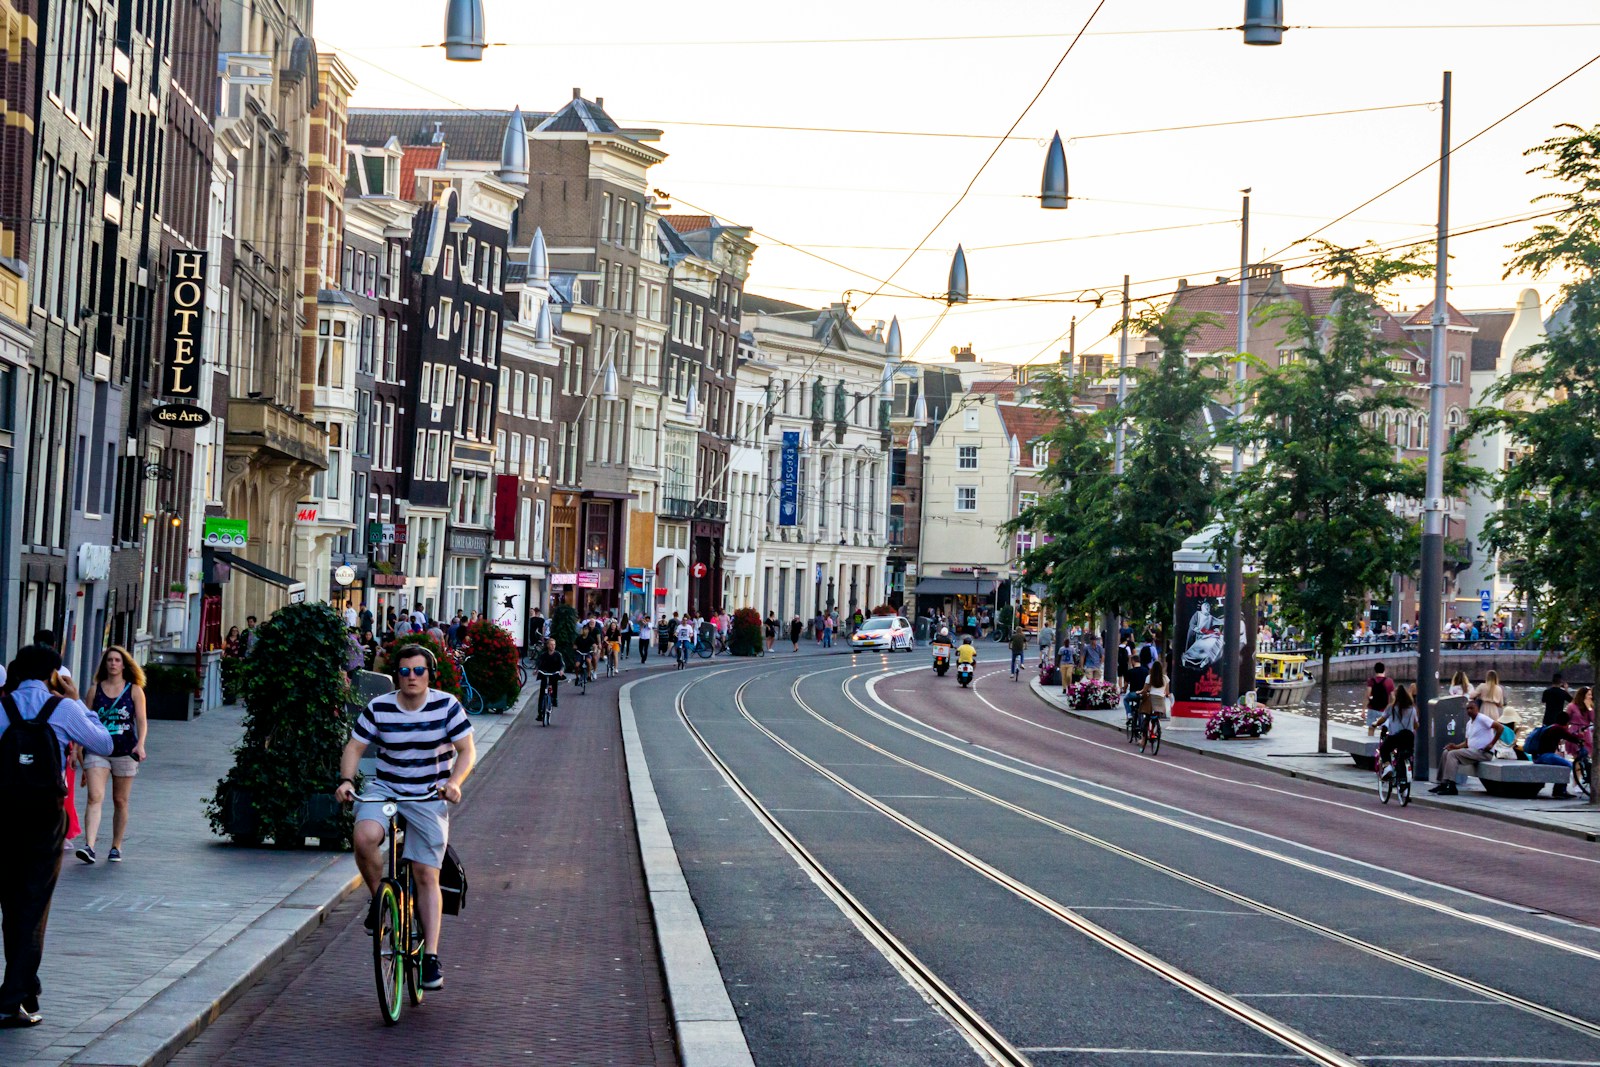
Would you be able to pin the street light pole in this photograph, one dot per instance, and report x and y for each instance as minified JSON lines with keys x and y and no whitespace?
{"x":1432,"y":581}
{"x":1113,"y":627}
{"x":1233,"y":607}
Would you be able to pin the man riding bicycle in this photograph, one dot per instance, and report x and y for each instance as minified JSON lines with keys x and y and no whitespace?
{"x":424,"y":748}
{"x":551,"y":666}
{"x":1019,"y":647}
{"x":588,"y":654}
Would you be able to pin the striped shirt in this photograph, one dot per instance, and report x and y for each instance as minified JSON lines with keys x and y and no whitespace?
{"x":415,"y":749}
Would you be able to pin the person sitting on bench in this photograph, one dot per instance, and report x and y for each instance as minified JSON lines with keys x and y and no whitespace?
{"x":1482,"y":730}
{"x":1542,"y":744}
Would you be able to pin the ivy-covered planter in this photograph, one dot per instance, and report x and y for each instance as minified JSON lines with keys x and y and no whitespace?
{"x":744,"y":636}
{"x":287,"y":761}
{"x":169,"y":692}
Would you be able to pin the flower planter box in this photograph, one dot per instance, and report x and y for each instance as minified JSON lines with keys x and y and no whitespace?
{"x":1237,"y":723}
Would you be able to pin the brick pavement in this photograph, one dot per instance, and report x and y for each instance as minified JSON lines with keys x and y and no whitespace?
{"x":554,"y":959}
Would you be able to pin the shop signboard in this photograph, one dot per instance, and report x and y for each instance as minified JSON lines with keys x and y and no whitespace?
{"x":218,"y":532}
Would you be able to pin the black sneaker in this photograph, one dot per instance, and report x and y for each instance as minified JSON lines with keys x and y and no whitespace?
{"x":1560,"y":793}
{"x":432,"y":973}
{"x":370,"y":923}
{"x":86,"y":854}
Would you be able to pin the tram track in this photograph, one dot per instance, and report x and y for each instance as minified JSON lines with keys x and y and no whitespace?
{"x":1094,"y":791}
{"x":978,"y":1032}
{"x":1462,"y":982}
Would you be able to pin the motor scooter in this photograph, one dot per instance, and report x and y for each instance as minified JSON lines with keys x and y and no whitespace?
{"x":964,"y":674}
{"x":941,"y":659}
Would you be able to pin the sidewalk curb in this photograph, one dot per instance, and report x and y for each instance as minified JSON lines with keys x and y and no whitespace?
{"x":1422,"y":800}
{"x":707,"y":1027}
{"x":151,"y":1035}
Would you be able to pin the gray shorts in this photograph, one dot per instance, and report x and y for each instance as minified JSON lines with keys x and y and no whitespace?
{"x":121,"y":766}
{"x":427,"y":828}
{"x":1375,"y":717}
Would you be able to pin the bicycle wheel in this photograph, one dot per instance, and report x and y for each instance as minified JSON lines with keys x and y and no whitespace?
{"x":1133,"y":728}
{"x":1154,"y":734}
{"x":388,"y":951}
{"x":1385,"y":786}
{"x":473,"y":700}
{"x":413,"y":943}
{"x":522,"y":674}
{"x":1583,"y":773}
{"x":544,"y":708}
{"x":704,"y":649}
{"x":1404,"y":787}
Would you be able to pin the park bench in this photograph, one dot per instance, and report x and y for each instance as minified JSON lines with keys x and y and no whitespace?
{"x":1515,"y":778}
{"x":1364,"y":750}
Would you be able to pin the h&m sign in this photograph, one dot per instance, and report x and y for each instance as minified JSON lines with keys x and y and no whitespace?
{"x":186,"y":312}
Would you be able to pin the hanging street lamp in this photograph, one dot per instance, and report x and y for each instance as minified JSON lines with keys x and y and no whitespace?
{"x":956,"y":292}
{"x":1053,"y":186}
{"x":1263,"y":22}
{"x":464,"y":39}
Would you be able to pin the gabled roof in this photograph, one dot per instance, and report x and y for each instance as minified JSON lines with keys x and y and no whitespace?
{"x":1005,"y":389}
{"x":1492,"y":326}
{"x":1222,"y":300}
{"x":413,"y":159}
{"x":579,"y":116}
{"x":1027,"y":424}
{"x":821,"y":320}
{"x":1424,"y":317}
{"x":475,"y":136}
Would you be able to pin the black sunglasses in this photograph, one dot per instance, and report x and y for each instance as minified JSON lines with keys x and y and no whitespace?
{"x":404,"y":672}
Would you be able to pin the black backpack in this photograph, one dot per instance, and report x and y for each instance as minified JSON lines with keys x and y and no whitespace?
{"x":30,"y":754}
{"x":1377,"y":693}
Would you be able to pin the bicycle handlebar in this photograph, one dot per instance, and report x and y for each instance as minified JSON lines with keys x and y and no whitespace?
{"x":436,"y":795}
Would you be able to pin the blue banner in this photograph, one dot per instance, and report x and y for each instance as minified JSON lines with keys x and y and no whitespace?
{"x":789,"y":486}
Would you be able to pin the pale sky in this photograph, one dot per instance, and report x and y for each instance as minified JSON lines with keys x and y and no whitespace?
{"x":864,"y":200}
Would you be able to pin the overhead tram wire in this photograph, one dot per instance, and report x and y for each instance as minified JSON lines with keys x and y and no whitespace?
{"x":998,"y":145}
{"x":1031,"y":137}
{"x":1580,"y":68}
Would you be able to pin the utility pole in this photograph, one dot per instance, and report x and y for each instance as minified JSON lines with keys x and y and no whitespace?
{"x":1432,"y":583}
{"x":1233,"y":609}
{"x":1113,"y":627}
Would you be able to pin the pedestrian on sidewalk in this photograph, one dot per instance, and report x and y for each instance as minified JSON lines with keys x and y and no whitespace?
{"x":1555,"y":699}
{"x":772,"y":628}
{"x":1491,"y":695}
{"x":118,"y":700}
{"x":32,"y":794}
{"x":796,"y":628}
{"x":827,"y":630}
{"x":1483,"y":729}
{"x":1380,"y":698}
{"x":1094,"y":659}
{"x":1580,"y":715}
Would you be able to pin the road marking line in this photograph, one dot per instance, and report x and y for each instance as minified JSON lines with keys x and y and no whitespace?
{"x":1364,"y":996}
{"x":1165,"y":1052}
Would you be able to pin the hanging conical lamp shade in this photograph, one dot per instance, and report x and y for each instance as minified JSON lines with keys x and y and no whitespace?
{"x":542,"y":327}
{"x":1053,"y":186}
{"x":539,"y":259}
{"x":1016,"y":451}
{"x":464,"y":39}
{"x":920,"y":416}
{"x":892,"y":349}
{"x":609,"y":390}
{"x":957,"y":291}
{"x":691,"y":403}
{"x":913,"y":443}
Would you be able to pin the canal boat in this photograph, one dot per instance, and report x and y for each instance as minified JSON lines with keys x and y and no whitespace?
{"x":1281,"y":679}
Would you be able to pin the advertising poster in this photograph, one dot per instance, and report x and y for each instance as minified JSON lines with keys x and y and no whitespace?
{"x":1197,"y":642}
{"x":789,"y":479}
{"x":508,"y":604}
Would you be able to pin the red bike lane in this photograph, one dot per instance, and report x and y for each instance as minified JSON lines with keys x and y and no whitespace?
{"x":1540,"y":870}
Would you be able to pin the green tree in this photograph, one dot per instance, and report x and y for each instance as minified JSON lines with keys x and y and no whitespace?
{"x":1112,"y":538}
{"x":564,"y":629}
{"x":1550,"y":403}
{"x":1313,"y":510}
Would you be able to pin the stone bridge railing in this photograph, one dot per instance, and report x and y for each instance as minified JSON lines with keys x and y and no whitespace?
{"x":1513,"y":662}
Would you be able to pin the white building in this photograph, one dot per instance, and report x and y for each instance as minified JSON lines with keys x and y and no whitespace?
{"x":747,"y":485}
{"x":826,"y":373}
{"x":1502,"y":336}
{"x":967,"y":494}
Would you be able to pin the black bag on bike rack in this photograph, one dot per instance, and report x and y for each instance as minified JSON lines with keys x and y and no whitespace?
{"x":453,"y":882}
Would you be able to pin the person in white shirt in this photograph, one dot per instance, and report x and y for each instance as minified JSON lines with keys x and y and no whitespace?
{"x":685,"y":637}
{"x":1482,"y":730}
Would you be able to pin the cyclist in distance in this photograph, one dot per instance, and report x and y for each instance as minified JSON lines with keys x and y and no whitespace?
{"x":424,"y":748}
{"x":1399,"y":729}
{"x":587,"y":646}
{"x":551,"y":665}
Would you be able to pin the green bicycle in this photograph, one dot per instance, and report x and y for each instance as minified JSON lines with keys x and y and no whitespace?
{"x":397,"y":935}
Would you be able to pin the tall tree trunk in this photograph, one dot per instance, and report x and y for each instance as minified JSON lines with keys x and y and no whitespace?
{"x":1322,"y":711}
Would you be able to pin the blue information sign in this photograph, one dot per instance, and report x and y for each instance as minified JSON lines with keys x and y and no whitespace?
{"x":1485,"y":600}
{"x":789,"y":487}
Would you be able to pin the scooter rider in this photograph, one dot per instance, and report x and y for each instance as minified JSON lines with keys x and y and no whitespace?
{"x":967,"y":654}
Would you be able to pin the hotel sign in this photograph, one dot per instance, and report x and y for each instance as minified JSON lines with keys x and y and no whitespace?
{"x":186,"y":312}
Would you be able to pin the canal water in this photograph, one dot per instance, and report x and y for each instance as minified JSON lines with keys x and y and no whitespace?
{"x":1347,"y":703}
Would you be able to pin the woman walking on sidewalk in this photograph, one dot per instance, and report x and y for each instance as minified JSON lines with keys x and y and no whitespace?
{"x":118,"y":700}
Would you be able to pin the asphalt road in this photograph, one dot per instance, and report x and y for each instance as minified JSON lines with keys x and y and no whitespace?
{"x":892,"y":870}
